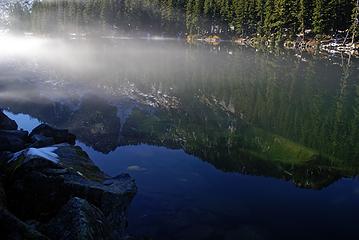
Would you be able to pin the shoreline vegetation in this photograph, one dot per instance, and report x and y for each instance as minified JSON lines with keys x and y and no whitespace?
{"x":311,"y":45}
{"x":329,"y":25}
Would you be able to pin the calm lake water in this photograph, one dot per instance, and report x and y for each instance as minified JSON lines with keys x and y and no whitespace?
{"x":225,"y":142}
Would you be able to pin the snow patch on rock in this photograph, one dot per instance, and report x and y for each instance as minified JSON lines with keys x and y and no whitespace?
{"x":31,"y":153}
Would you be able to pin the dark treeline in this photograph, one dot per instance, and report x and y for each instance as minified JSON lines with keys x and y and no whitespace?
{"x":286,"y":18}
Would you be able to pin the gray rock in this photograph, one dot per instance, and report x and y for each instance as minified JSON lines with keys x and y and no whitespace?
{"x":39,"y":141}
{"x":63,"y":156}
{"x":4,"y":158}
{"x":39,"y":187}
{"x":58,"y":135}
{"x":13,"y":140}
{"x":6,"y":123}
{"x":78,"y":220}
{"x":12,"y":228}
{"x":2,"y":196}
{"x":16,"y":133}
{"x":73,"y":157}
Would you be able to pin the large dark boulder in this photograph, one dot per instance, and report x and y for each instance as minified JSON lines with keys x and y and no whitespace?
{"x":12,"y":228}
{"x":78,"y":220}
{"x":60,"y":156}
{"x":58,"y":135}
{"x":40,"y":141}
{"x":6,"y":123}
{"x":41,"y":181}
{"x":2,"y":196}
{"x":4,"y":158}
{"x":13,"y":140}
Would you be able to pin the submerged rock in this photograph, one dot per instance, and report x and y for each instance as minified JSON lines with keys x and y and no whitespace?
{"x":6,"y":123}
{"x":58,"y":135}
{"x":78,"y":220}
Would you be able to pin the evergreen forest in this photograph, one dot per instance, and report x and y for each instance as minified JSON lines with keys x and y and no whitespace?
{"x":279,"y":18}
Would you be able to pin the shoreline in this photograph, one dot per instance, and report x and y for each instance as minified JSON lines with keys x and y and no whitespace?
{"x":51,"y":189}
{"x":326,"y":43}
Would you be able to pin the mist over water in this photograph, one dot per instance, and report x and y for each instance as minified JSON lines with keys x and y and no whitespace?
{"x":225,"y":142}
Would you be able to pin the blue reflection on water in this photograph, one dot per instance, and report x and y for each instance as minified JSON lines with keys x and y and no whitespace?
{"x":24,"y":121}
{"x":182,"y":197}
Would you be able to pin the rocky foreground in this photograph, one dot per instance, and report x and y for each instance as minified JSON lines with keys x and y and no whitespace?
{"x":50,"y":188}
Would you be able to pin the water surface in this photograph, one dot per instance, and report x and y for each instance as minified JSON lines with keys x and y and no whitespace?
{"x":225,"y":142}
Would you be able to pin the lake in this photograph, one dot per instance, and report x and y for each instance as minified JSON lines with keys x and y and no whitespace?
{"x":225,"y":142}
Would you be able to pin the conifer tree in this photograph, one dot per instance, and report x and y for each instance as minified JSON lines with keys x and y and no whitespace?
{"x":318,"y":17}
{"x":280,"y":18}
{"x":269,"y":17}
